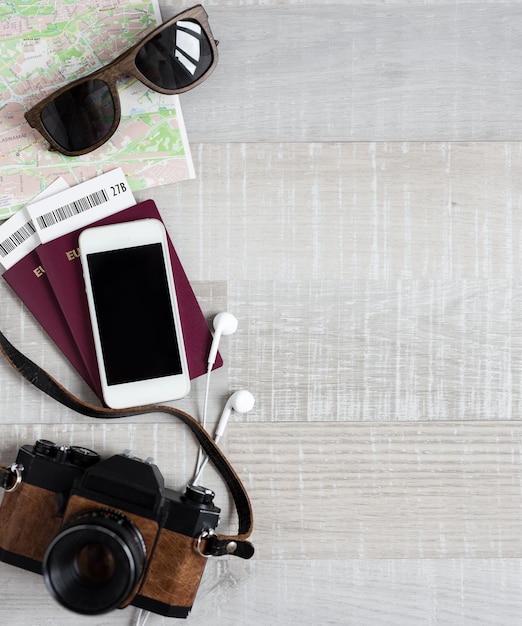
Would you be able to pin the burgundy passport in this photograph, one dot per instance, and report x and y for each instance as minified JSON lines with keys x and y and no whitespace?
{"x":29,"y":281}
{"x":61,"y":261}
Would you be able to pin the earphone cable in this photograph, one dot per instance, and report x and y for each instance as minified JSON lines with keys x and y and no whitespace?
{"x":200,"y":462}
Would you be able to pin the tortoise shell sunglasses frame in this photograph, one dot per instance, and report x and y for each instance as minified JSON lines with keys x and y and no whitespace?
{"x":123,"y":65}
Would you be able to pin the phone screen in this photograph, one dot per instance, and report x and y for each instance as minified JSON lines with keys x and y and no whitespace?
{"x":134,"y":314}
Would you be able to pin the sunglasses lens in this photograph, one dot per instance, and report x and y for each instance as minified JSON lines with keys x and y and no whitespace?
{"x":81,"y":116}
{"x":177,"y":56}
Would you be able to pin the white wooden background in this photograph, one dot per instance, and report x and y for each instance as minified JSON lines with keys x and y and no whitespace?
{"x":358,"y":207}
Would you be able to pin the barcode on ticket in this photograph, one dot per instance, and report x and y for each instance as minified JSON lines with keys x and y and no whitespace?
{"x":16,"y":239}
{"x":72,"y":208}
{"x":80,"y":206}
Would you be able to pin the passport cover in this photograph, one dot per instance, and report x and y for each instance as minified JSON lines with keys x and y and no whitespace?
{"x":62,"y":264}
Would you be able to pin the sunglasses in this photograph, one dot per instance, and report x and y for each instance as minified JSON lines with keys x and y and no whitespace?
{"x":173,"y":58}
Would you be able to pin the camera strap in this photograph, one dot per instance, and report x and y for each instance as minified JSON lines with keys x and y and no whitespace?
{"x":215,"y":544}
{"x":7,"y":478}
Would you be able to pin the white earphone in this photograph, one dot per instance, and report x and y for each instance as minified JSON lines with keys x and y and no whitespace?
{"x":241,"y":401}
{"x":224,"y":324}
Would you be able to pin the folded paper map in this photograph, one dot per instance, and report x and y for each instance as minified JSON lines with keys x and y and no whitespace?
{"x":44,"y":44}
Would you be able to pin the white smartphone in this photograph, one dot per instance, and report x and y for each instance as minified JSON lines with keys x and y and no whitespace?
{"x":134,"y":313}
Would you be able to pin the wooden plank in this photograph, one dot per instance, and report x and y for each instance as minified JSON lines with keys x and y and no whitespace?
{"x":349,"y":211}
{"x":368,"y":350}
{"x":334,"y":351}
{"x":363,"y":491}
{"x":360,"y":72}
{"x":353,"y":593}
{"x":393,"y":592}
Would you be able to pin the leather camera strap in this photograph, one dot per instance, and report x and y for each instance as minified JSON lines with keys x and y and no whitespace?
{"x":216,"y":545}
{"x":6,"y":477}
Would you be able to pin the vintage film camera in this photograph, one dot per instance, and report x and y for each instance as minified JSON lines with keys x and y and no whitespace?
{"x":106,"y":533}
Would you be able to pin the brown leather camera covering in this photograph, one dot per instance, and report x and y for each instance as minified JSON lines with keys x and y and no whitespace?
{"x":29,"y":520}
{"x":147,"y":527}
{"x":175,"y":570}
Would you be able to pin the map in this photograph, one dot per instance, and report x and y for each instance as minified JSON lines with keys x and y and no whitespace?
{"x":44,"y":44}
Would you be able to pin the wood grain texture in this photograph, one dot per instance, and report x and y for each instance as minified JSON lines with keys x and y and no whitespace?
{"x":403,"y":592}
{"x":385,"y":211}
{"x":361,"y":72}
{"x":344,"y":491}
{"x":378,"y":350}
{"x":358,"y":206}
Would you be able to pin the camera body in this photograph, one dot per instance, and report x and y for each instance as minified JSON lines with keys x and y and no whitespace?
{"x":106,"y":533}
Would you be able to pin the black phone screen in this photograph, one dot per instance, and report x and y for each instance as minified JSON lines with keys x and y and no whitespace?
{"x":134,"y":314}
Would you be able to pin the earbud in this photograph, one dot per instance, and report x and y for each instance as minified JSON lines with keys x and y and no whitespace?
{"x":224,"y":324}
{"x":241,"y":401}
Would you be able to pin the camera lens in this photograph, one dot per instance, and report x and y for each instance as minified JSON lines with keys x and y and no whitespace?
{"x":94,"y":562}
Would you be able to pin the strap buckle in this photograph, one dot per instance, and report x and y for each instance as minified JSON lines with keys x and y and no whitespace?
{"x":218,"y":545}
{"x":204,"y":536}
